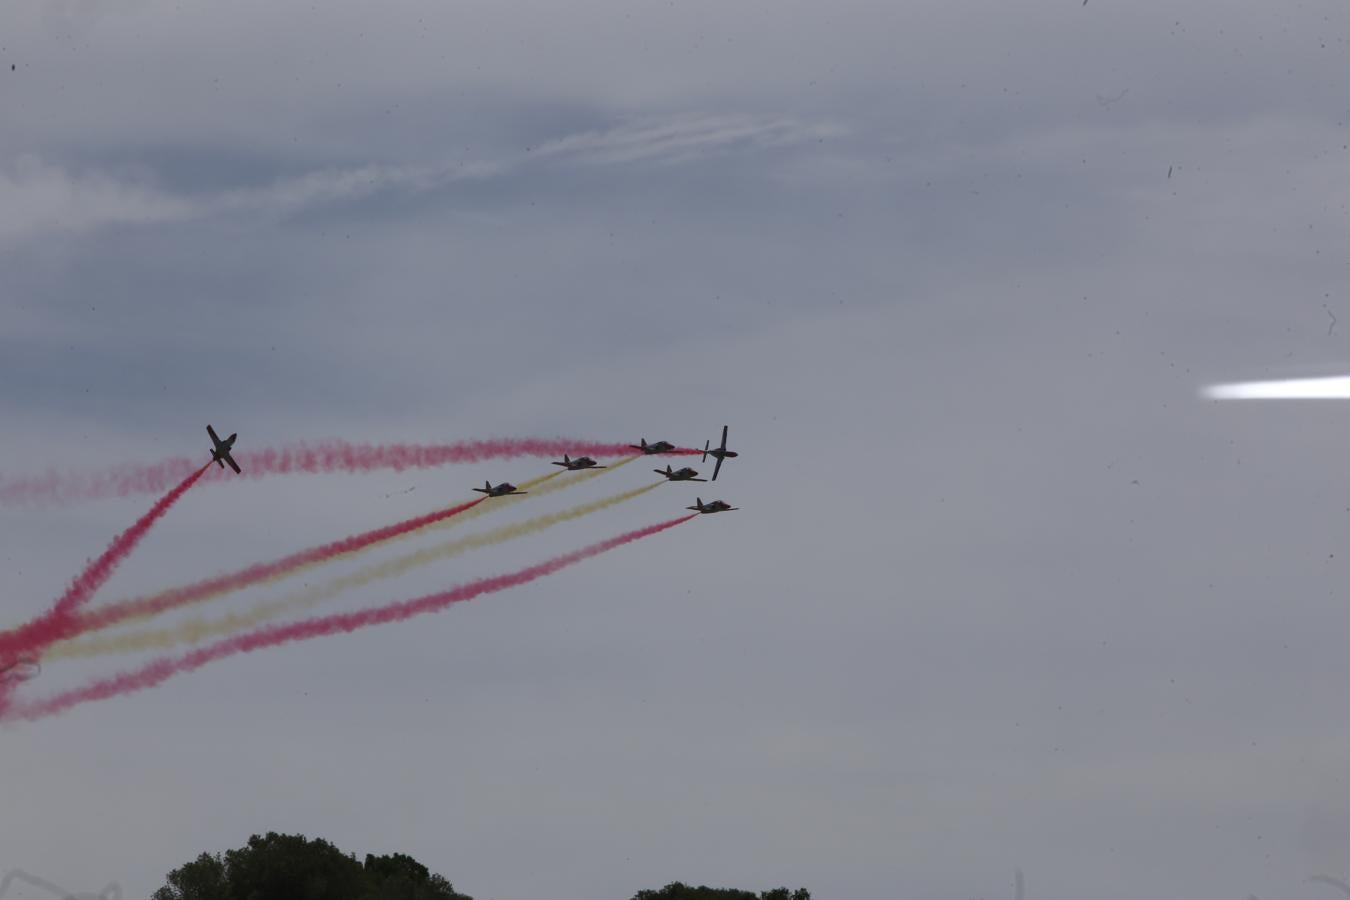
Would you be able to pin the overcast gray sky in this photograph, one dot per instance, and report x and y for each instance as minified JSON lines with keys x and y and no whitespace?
{"x":1002,"y":592}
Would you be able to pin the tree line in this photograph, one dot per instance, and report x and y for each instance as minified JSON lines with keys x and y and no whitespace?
{"x":293,"y":867}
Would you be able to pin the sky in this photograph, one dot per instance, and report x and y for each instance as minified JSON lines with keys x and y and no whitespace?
{"x":1004,"y":592}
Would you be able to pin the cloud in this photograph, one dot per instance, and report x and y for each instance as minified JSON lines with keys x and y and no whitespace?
{"x":986,"y":308}
{"x":38,"y":197}
{"x":686,"y":138}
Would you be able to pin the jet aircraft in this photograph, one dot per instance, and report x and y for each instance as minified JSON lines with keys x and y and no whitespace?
{"x":712,"y":506}
{"x":658,"y":447}
{"x":685,"y":474}
{"x":500,"y":490}
{"x":719,"y":453}
{"x":581,"y":462}
{"x":221,"y":453}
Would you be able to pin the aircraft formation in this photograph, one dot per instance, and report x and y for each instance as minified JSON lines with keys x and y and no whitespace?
{"x":67,"y":630}
{"x":220,"y":455}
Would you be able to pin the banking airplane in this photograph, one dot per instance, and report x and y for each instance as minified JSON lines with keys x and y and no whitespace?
{"x":221,"y":454}
{"x":720,"y":453}
{"x":581,"y":462}
{"x":714,"y":506}
{"x":685,"y":474}
{"x":658,"y":447}
{"x":500,"y":490}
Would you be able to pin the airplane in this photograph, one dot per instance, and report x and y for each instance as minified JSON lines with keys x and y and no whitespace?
{"x":685,"y":474}
{"x":719,"y":453}
{"x":581,"y":462}
{"x":500,"y":490}
{"x":658,"y":447}
{"x":713,"y":506}
{"x":221,"y":454}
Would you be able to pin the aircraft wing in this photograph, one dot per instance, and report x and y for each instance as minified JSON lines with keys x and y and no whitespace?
{"x":214,"y":437}
{"x":724,"y":437}
{"x":717,"y":468}
{"x":233,"y":465}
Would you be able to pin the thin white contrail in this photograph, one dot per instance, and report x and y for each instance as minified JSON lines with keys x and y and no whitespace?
{"x":112,"y":891}
{"x":1336,"y":387}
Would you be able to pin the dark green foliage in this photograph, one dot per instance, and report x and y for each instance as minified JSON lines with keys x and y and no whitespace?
{"x":201,"y":879}
{"x":282,"y":866}
{"x":291,"y":867}
{"x":678,"y":891}
{"x":400,"y":877}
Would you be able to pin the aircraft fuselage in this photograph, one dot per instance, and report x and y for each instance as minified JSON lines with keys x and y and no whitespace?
{"x":581,"y":462}
{"x":658,"y":447}
{"x":500,"y":490}
{"x":685,"y":474}
{"x":713,"y":506}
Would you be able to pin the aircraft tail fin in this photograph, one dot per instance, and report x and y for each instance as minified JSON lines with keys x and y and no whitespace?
{"x":706,"y":445}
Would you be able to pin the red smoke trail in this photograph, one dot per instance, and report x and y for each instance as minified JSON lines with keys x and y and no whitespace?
{"x":31,"y":639}
{"x":325,"y":456}
{"x":160,"y":670}
{"x":171,"y":599}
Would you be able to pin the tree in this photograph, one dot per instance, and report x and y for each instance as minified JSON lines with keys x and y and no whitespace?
{"x":292,"y":867}
{"x":289,"y":866}
{"x":201,"y":879}
{"x":400,"y":877}
{"x":679,"y":891}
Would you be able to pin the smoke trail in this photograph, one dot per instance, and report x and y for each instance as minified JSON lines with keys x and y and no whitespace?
{"x":29,"y":640}
{"x":58,"y":622}
{"x":144,"y":607}
{"x":199,"y":629}
{"x":324,"y":456}
{"x":1334,"y":882}
{"x":257,"y":573}
{"x":111,"y":891}
{"x":21,"y":669}
{"x":160,"y":670}
{"x":538,"y":487}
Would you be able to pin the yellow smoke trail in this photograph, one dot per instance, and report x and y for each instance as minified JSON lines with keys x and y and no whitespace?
{"x":538,"y":487}
{"x":547,"y":483}
{"x":196,"y":630}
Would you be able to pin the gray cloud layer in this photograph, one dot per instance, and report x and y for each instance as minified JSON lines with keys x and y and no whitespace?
{"x":44,"y":197}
